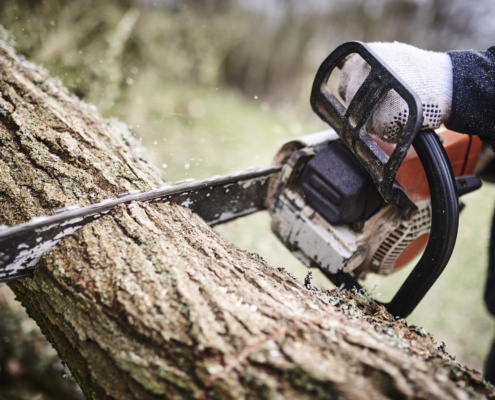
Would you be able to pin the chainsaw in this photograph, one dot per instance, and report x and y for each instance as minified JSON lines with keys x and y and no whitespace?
{"x":340,"y":200}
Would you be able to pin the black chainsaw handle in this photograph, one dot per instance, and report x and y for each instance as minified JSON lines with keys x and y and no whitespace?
{"x":444,"y":224}
{"x":350,"y":125}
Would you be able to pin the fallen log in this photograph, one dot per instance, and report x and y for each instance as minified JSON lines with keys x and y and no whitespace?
{"x":149,"y":302}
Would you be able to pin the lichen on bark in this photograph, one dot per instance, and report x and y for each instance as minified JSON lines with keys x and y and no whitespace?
{"x":149,"y":302}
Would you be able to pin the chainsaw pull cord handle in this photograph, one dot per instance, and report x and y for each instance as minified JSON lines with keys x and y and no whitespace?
{"x":444,"y":224}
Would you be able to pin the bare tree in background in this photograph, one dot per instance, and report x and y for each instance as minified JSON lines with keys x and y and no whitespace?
{"x":289,"y":38}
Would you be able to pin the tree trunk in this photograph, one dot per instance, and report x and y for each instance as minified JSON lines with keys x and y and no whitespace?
{"x":148,"y":302}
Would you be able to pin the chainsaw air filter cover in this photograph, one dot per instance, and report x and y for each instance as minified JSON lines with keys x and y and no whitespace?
{"x":338,"y":187}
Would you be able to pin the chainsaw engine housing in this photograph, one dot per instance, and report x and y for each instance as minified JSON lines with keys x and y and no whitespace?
{"x":327,"y":211}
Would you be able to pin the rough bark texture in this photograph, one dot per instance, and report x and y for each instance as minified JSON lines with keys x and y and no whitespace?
{"x":148,"y":302}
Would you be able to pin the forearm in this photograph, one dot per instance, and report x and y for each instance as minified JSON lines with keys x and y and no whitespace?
{"x":473,"y":102}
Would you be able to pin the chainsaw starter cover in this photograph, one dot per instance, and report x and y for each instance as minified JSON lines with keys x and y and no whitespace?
{"x":338,"y":187}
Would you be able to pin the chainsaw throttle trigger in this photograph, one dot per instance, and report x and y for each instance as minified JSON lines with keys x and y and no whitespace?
{"x":350,"y":123}
{"x":467,"y":184}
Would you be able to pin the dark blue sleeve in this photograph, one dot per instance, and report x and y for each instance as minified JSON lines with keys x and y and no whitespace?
{"x":490,"y":279}
{"x":473,"y":112}
{"x":473,"y":102}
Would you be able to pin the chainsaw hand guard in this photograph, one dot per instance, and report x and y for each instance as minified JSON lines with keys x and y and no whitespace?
{"x":350,"y":123}
{"x":350,"y":126}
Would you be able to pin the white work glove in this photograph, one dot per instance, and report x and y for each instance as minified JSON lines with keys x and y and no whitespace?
{"x":428,"y":73}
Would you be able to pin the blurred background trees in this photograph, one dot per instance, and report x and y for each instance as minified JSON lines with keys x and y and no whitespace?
{"x":214,"y":86}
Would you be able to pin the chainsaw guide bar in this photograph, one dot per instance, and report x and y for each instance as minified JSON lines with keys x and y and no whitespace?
{"x":216,"y":200}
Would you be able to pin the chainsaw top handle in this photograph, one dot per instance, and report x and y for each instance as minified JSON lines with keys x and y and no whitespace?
{"x":350,"y":122}
{"x":350,"y":126}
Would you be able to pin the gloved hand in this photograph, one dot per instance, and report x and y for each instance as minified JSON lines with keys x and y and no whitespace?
{"x":428,"y":73}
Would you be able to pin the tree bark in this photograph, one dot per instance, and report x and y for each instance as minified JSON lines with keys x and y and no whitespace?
{"x":148,"y":302}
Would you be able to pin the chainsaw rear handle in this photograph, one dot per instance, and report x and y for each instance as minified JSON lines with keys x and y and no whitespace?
{"x":350,"y":123}
{"x":444,"y":224}
{"x":350,"y":126}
